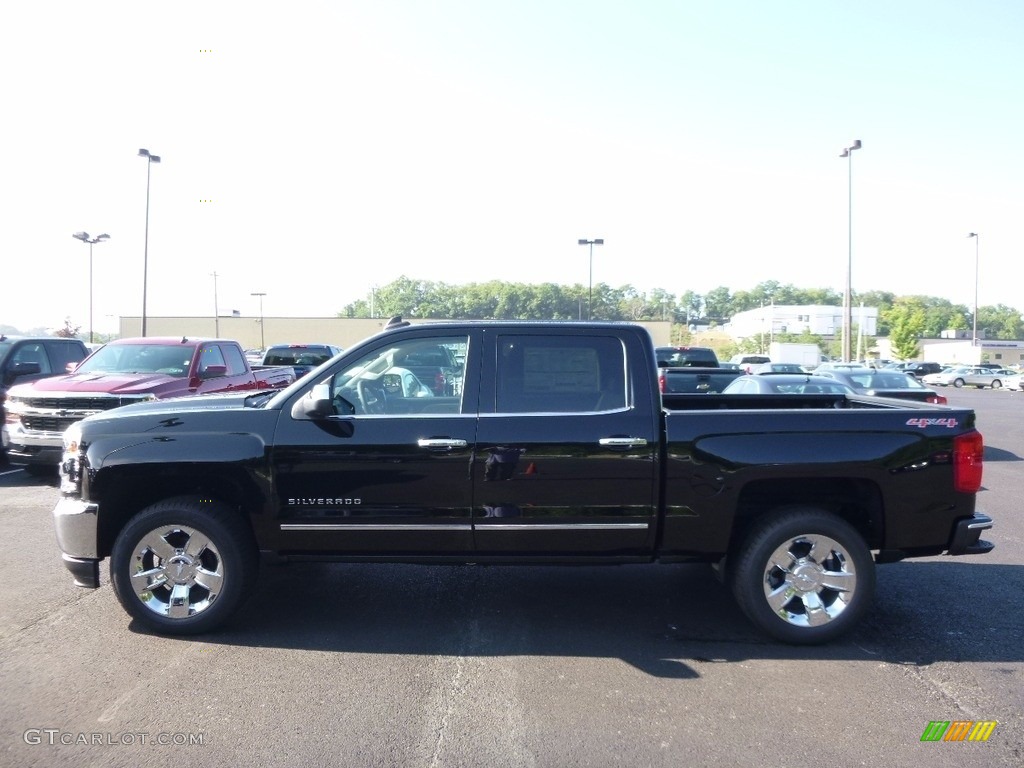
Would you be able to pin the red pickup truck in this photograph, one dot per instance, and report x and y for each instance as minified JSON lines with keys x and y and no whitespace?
{"x":122,"y":372}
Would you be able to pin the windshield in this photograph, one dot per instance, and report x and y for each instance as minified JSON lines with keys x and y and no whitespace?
{"x":139,"y":358}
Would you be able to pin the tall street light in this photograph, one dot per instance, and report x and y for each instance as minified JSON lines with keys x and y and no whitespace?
{"x":263,"y":342}
{"x":216,"y":312}
{"x":974,"y":338}
{"x":150,"y":159}
{"x":590,"y":289}
{"x":848,"y":294}
{"x":84,"y":237}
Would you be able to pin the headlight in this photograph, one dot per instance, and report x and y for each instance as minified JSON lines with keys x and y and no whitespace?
{"x":72,"y":438}
{"x":70,"y":465}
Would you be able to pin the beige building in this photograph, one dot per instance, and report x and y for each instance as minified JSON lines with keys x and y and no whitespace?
{"x":339,"y":331}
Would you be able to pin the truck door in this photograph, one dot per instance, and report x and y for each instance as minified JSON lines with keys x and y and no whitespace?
{"x":222,"y":368}
{"x":568,"y":446}
{"x":388,"y":472}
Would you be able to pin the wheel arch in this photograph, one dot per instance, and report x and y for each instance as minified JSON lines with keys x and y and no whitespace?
{"x":124,"y":491}
{"x":858,"y":501}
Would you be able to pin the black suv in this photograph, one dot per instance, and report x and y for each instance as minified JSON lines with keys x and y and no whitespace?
{"x":917,"y":370}
{"x":686,"y":357}
{"x":25,"y":358}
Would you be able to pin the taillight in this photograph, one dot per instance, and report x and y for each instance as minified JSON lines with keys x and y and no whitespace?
{"x":937,"y":399}
{"x":968,"y":453}
{"x":662,"y":383}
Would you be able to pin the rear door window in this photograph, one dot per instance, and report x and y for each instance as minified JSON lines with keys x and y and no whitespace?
{"x":568,"y":374}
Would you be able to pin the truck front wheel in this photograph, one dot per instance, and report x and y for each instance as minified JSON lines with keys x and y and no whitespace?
{"x":182,"y":566}
{"x":804,"y":576}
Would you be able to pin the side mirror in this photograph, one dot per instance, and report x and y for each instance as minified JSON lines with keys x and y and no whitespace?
{"x":315,"y":404}
{"x":23,"y":369}
{"x":213,"y":371}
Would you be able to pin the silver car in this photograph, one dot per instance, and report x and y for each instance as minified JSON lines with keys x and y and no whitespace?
{"x":969,"y":376}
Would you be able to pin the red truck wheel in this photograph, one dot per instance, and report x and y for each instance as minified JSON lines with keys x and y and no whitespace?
{"x":182,"y":566}
{"x":804,"y":576}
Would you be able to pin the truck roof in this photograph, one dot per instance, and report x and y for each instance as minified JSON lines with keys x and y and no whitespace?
{"x":169,"y":340}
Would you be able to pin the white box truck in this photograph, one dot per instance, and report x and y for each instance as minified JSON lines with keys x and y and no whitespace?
{"x":805,"y":355}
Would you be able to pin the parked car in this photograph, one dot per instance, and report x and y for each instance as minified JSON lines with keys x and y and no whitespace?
{"x":786,"y":384}
{"x":922,"y":369}
{"x":120,"y":373}
{"x":970,"y":376}
{"x":302,"y":357}
{"x":24,"y":359}
{"x":685,"y":380}
{"x":686,"y":357}
{"x":187,"y":496}
{"x":436,"y":365}
{"x":833,"y":366}
{"x":747,"y":362}
{"x":882,"y":383}
{"x":777,"y":368}
{"x":1014,"y":382}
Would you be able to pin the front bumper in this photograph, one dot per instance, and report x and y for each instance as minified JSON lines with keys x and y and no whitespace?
{"x":75,"y":522}
{"x":967,"y":539}
{"x":34,"y":448}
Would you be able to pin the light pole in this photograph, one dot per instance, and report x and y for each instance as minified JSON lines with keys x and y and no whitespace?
{"x":590,"y":284}
{"x":974,"y":337}
{"x":84,"y":237}
{"x":848,"y":294}
{"x":150,"y":159}
{"x":263,"y":341}
{"x":216,"y":312}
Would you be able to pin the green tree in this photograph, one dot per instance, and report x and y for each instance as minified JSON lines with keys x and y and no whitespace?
{"x":907,"y":320}
{"x":1000,"y":322}
{"x":717,"y":303}
{"x":690,"y":305}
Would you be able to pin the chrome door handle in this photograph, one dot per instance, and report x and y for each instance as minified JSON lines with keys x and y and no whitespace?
{"x":441,"y":442}
{"x":623,"y":442}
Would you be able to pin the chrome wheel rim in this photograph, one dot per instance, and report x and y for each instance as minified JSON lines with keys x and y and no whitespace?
{"x":809,"y":580}
{"x":176,"y":571}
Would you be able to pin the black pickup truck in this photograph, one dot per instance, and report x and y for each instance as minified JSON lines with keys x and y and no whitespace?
{"x":559,"y":448}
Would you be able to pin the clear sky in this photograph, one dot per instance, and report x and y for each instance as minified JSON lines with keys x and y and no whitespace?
{"x":311,"y":150}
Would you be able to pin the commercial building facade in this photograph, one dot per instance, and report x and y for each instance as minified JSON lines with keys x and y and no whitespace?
{"x":816,"y":319}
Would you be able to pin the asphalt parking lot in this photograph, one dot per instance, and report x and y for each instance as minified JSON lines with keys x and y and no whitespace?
{"x":393,"y":665}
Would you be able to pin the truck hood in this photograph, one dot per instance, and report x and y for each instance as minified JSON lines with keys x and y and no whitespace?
{"x":106,"y":383}
{"x":207,"y":428}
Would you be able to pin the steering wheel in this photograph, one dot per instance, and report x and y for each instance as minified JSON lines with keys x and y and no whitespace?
{"x":371,"y":398}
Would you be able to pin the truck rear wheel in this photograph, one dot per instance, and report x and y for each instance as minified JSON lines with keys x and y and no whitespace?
{"x":182,"y":566}
{"x":804,"y":576}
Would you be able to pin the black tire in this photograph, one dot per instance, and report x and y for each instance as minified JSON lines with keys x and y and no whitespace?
{"x":813,"y":597}
{"x":996,"y":384}
{"x":958,"y":383}
{"x":212,"y":553}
